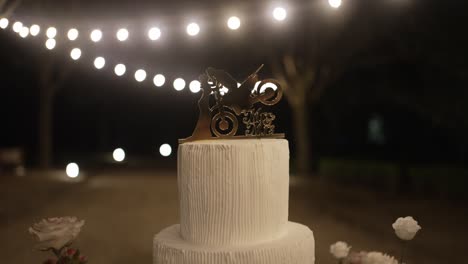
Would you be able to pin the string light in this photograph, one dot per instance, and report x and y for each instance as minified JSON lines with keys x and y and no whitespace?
{"x":72,"y":170}
{"x":279,"y":13}
{"x":51,"y":32}
{"x":118,"y":155}
{"x":154,"y":33}
{"x":140,"y":75}
{"x":17,"y":26}
{"x":99,"y":63}
{"x":159,"y":80}
{"x":122,"y":34}
{"x":194,"y":86}
{"x":179,"y":84}
{"x":335,"y":3}
{"x":120,"y":69}
{"x":24,"y":32}
{"x":96,"y":35}
{"x":50,"y":44}
{"x":193,"y":29}
{"x":165,"y":150}
{"x":234,"y":23}
{"x":34,"y":30}
{"x":75,"y":54}
{"x":73,"y":34}
{"x":4,"y":23}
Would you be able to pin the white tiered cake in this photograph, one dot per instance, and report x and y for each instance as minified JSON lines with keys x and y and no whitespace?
{"x":234,"y":207}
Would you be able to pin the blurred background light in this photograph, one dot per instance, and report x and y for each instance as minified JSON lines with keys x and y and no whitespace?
{"x":194,"y":86}
{"x":234,"y":23}
{"x":24,"y":32}
{"x":17,"y":26}
{"x":96,"y":35}
{"x":51,"y":32}
{"x":193,"y":29}
{"x":140,"y":75}
{"x":4,"y":23}
{"x":120,"y":69}
{"x":118,"y":154}
{"x":72,"y":34}
{"x":159,"y":80}
{"x":179,"y":84}
{"x":154,"y":33}
{"x":50,"y":44}
{"x":335,"y":3}
{"x":122,"y":34}
{"x":165,"y":150}
{"x":99,"y":63}
{"x":279,"y":13}
{"x":34,"y":30}
{"x":75,"y":53}
{"x":72,"y":170}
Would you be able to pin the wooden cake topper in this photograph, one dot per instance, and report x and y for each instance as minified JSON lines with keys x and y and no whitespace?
{"x":222,"y":102}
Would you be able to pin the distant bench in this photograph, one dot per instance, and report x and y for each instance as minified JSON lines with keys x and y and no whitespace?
{"x":11,"y":160}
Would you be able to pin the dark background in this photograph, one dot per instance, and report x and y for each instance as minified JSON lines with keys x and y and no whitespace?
{"x":418,"y":94}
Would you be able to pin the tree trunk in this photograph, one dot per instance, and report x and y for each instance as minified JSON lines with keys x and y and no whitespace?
{"x":302,"y":137}
{"x":45,"y":125}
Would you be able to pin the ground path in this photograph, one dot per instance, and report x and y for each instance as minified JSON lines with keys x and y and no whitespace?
{"x":124,"y":209}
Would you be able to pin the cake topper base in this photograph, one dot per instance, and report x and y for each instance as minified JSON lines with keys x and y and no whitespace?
{"x":275,"y":136}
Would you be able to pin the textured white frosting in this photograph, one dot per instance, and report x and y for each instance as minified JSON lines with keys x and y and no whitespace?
{"x":295,"y":247}
{"x":233,"y":192}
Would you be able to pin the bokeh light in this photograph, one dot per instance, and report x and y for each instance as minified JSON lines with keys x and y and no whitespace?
{"x":118,"y":155}
{"x":279,"y":13}
{"x":165,"y":150}
{"x":140,"y":75}
{"x":193,"y":29}
{"x":51,"y":32}
{"x":154,"y":33}
{"x":122,"y":34}
{"x":120,"y":69}
{"x":73,"y":34}
{"x":335,"y":3}
{"x":99,"y":63}
{"x":50,"y":44}
{"x":4,"y":22}
{"x":72,"y":170}
{"x":159,"y":80}
{"x":96,"y":35}
{"x":17,"y":26}
{"x":24,"y":32}
{"x":75,"y":54}
{"x":234,"y":23}
{"x":34,"y":30}
{"x":179,"y":84}
{"x":194,"y":86}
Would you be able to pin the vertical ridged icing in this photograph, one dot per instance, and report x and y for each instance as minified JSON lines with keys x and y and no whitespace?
{"x":233,"y":191}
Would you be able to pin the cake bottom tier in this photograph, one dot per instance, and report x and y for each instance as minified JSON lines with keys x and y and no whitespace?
{"x":297,"y":246}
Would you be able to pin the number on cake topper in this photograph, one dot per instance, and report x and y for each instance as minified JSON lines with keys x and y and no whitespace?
{"x":222,"y":102}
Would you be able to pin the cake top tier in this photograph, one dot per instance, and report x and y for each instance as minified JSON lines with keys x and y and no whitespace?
{"x":223,"y":102}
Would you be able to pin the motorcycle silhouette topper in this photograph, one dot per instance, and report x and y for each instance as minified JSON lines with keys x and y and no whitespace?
{"x":223,"y":103}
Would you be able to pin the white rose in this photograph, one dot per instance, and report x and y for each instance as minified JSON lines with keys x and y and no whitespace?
{"x":339,"y":250}
{"x":378,"y":258}
{"x":406,"y":228}
{"x":56,"y":232}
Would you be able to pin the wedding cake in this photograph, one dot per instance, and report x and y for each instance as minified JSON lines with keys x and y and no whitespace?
{"x":234,"y":206}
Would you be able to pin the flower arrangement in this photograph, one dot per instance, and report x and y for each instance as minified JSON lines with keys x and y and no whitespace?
{"x":405,"y":229}
{"x":57,"y":235}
